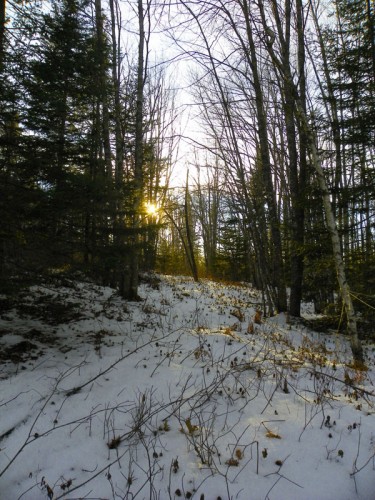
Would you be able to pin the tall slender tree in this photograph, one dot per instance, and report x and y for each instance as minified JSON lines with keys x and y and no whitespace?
{"x":287,"y":77}
{"x":130,"y":286}
{"x":2,"y":31}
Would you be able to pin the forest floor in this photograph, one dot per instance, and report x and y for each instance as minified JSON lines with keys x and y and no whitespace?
{"x":180,"y":395}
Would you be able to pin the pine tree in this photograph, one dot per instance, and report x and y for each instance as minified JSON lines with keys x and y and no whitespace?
{"x":47,"y":149}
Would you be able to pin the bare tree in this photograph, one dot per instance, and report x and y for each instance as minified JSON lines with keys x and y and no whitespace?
{"x":286,"y":77}
{"x":130,"y":274}
{"x":221,"y":68}
{"x":2,"y":32}
{"x":115,"y":16}
{"x":103,"y":87}
{"x":207,"y":208}
{"x":189,"y":235}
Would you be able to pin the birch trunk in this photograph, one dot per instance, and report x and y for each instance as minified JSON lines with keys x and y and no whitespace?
{"x":356,"y":346}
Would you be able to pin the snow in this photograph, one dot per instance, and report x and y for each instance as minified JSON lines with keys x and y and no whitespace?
{"x":176,"y":396}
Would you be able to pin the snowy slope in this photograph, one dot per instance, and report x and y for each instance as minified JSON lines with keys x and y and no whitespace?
{"x":180,"y":395}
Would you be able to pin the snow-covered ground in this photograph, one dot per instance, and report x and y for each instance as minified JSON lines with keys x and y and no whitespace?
{"x":180,"y":395}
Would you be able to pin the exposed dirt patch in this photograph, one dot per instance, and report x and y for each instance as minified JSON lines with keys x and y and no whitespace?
{"x":4,"y":332}
{"x":20,"y":352}
{"x":6,"y":304}
{"x":34,"y":317}
{"x":50,"y":311}
{"x":39,"y":336}
{"x":335,"y":324}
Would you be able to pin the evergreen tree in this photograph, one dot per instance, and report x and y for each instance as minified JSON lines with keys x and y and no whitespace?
{"x":48,"y":150}
{"x":350,"y":55}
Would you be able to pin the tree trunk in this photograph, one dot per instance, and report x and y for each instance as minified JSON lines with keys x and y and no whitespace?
{"x":102,"y":79}
{"x":277,"y":254}
{"x":189,"y":239}
{"x":2,"y":32}
{"x":184,"y":244}
{"x":130,"y":291}
{"x":116,"y":89}
{"x":339,"y":263}
{"x":298,"y":198}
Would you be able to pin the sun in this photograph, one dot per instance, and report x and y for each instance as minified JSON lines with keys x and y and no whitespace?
{"x":151,"y":209}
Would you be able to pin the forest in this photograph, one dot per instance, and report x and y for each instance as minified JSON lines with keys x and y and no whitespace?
{"x":263,"y":111}
{"x":187,"y":252}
